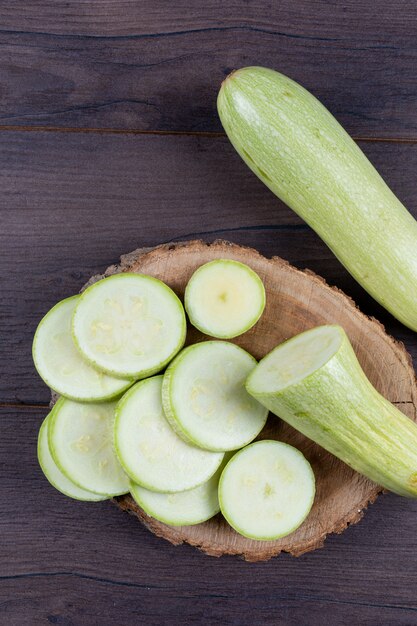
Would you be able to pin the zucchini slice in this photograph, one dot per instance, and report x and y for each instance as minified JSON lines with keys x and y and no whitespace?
{"x":54,"y":475}
{"x":224,"y":298}
{"x":60,"y":364}
{"x":150,"y":452}
{"x":205,"y":399}
{"x":80,"y":439}
{"x":129,"y":325}
{"x":267,"y":490}
{"x":184,"y":508}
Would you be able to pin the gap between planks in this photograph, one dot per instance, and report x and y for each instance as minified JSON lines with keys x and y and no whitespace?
{"x":137,"y":131}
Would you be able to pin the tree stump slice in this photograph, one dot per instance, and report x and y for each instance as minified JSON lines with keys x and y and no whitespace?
{"x":296,"y":301}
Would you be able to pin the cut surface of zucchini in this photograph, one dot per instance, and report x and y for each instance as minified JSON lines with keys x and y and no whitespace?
{"x":54,"y":475}
{"x":129,"y":325}
{"x":60,"y":364}
{"x":296,"y":359}
{"x":224,"y":298}
{"x":266,"y":490}
{"x":205,"y":399}
{"x":150,"y":451}
{"x":81,"y":443}
{"x":184,"y":508}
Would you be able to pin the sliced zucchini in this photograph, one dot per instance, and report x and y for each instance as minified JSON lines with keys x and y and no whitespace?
{"x":54,"y":475}
{"x":205,"y":399}
{"x":129,"y":325}
{"x":80,"y":439}
{"x":150,"y":451}
{"x":61,"y":365}
{"x":224,"y":298}
{"x":184,"y":508}
{"x":266,"y":490}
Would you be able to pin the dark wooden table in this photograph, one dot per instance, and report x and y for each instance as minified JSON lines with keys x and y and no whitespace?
{"x":110,"y":141}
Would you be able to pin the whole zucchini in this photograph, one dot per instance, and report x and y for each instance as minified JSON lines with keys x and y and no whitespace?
{"x":316,"y":384}
{"x":298,"y":149}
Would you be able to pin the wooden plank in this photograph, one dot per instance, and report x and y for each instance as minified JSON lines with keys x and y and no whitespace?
{"x":67,"y":599}
{"x":69,"y":209}
{"x":126,"y":17}
{"x":159,"y":176}
{"x":155,"y":65}
{"x":77,"y":563}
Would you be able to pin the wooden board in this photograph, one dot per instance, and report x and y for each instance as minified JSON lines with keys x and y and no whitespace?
{"x":296,"y":301}
{"x":158,"y":65}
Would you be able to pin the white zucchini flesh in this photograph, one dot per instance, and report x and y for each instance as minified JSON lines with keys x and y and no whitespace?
{"x":266,"y":490}
{"x":80,"y":438}
{"x":184,"y":508}
{"x":54,"y":475}
{"x":205,"y":399}
{"x":315,"y":383}
{"x":224,"y":298}
{"x":298,"y":149}
{"x":129,"y":325}
{"x":60,"y":364}
{"x":150,"y":452}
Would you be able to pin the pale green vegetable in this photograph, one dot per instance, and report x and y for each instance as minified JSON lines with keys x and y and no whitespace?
{"x":266,"y":490}
{"x":80,"y":438}
{"x":224,"y":298}
{"x":298,"y":149}
{"x":205,"y":399}
{"x":151,"y":453}
{"x":61,"y":365}
{"x":129,"y":325}
{"x":54,"y":475}
{"x":315,"y":383}
{"x":184,"y":508}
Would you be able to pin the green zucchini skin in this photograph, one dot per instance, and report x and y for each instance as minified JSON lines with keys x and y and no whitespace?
{"x":337,"y":407}
{"x":298,"y":149}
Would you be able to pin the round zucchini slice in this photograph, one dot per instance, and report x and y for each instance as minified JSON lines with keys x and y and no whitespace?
{"x":150,"y":452}
{"x":54,"y":475}
{"x":267,"y":490}
{"x":205,"y":399}
{"x":81,"y":443}
{"x":224,"y":298}
{"x":129,"y":325}
{"x":60,"y":364}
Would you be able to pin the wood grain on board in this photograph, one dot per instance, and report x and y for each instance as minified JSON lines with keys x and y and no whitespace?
{"x":158,"y":65}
